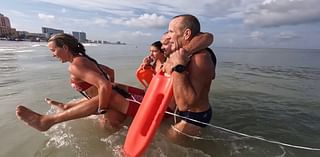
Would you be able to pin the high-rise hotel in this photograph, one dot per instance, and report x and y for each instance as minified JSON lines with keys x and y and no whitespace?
{"x":5,"y":27}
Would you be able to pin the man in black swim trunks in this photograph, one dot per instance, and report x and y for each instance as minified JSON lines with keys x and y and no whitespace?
{"x":192,"y":77}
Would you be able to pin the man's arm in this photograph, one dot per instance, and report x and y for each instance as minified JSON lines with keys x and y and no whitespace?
{"x":199,"y":42}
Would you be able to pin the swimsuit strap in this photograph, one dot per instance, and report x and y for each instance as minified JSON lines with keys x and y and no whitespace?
{"x":104,"y":74}
{"x":97,"y":64}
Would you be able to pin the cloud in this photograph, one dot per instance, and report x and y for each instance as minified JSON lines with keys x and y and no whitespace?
{"x":272,"y":13}
{"x":212,"y":8}
{"x":256,"y":35}
{"x":217,"y":8}
{"x":118,"y":8}
{"x":46,"y":17}
{"x":100,"y":22}
{"x":140,"y":34}
{"x":144,"y":21}
{"x":11,"y":13}
{"x":287,"y":36}
{"x":132,"y":37}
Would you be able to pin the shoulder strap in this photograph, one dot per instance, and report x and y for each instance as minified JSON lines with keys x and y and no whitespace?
{"x":98,"y":65}
{"x":104,"y":74}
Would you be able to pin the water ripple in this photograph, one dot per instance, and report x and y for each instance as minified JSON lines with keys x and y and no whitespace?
{"x":278,"y":72}
{"x":8,"y":69}
{"x":6,"y":83}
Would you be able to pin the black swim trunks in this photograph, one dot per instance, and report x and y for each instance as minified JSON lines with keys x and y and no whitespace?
{"x":204,"y":117}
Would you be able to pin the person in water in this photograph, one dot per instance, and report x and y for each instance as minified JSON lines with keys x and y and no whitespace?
{"x":153,"y":63}
{"x":156,"y":57}
{"x":192,"y":76}
{"x":90,"y":78}
{"x":158,"y":49}
{"x":121,"y":101}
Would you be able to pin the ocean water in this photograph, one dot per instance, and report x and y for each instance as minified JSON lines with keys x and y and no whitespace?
{"x":269,"y":93}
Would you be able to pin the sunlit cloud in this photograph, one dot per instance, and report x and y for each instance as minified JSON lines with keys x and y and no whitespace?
{"x":46,"y":17}
{"x":144,"y":21}
{"x":139,"y":33}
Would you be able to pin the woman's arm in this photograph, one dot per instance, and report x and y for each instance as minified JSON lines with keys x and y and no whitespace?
{"x":199,"y":42}
{"x":85,"y":70}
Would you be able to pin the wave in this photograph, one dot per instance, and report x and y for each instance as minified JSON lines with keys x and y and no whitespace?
{"x":6,"y":83}
{"x":90,"y":44}
{"x":39,"y":45}
{"x":277,"y":72}
{"x":159,"y":146}
{"x":25,"y":51}
{"x":6,"y":49}
{"x":8,"y":69}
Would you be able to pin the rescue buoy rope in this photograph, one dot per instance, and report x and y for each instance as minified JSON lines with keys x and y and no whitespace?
{"x":238,"y":133}
{"x":230,"y":131}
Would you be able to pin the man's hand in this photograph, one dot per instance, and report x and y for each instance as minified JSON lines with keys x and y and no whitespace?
{"x":178,"y":57}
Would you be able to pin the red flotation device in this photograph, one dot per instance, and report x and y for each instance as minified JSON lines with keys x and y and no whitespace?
{"x":144,"y":75}
{"x":149,"y":115}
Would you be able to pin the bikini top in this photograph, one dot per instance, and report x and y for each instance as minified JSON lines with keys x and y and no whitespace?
{"x":79,"y":85}
{"x":82,"y":85}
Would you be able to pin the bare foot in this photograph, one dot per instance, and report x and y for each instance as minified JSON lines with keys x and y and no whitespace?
{"x":60,"y":105}
{"x":33,"y":119}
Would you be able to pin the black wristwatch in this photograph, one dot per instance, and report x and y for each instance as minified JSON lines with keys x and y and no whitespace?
{"x":179,"y":68}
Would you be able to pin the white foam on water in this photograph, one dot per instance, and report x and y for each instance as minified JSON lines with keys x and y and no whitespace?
{"x":6,"y":49}
{"x":159,"y":146}
{"x":61,"y":136}
{"x":25,"y":51}
{"x":90,"y":44}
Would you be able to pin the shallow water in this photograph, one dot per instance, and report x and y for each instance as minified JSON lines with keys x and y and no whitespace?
{"x":270,"y":93}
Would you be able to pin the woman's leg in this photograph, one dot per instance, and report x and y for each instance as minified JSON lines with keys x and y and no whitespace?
{"x":63,"y":106}
{"x":78,"y":110}
{"x":44,"y":122}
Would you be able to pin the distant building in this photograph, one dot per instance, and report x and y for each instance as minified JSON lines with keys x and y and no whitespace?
{"x":5,"y":27}
{"x":50,"y":31}
{"x":81,"y":36}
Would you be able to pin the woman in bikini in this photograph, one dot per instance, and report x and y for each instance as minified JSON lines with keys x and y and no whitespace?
{"x":89,"y":78}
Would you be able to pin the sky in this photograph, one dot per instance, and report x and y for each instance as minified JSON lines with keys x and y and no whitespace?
{"x":234,"y":23}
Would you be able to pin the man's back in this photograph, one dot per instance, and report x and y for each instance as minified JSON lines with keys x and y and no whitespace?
{"x":201,"y":71}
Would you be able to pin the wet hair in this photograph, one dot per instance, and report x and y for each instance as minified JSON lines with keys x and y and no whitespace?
{"x":73,"y":44}
{"x":75,"y":47}
{"x":158,"y":45}
{"x":189,"y":22}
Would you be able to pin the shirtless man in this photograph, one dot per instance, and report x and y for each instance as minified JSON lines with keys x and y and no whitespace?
{"x":192,"y":76}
